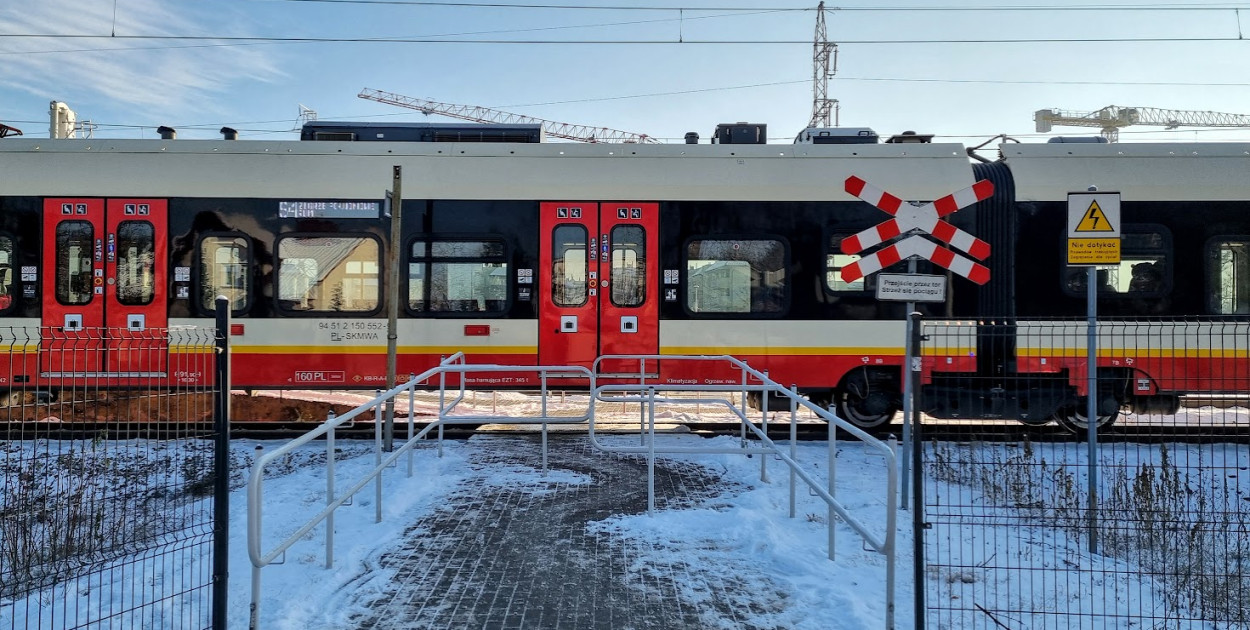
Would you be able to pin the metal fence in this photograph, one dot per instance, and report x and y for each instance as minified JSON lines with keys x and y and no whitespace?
{"x":107,"y":478}
{"x":1144,"y":524}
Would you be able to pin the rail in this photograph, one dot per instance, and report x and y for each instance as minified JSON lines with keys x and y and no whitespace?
{"x":644,"y":393}
{"x":455,"y":364}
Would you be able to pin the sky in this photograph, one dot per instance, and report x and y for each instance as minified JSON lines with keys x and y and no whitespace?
{"x":931,"y":67}
{"x":747,"y":524}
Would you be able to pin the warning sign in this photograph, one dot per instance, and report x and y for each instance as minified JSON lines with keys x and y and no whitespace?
{"x":1093,"y":215}
{"x":1093,"y":251}
{"x":1094,"y":220}
{"x":1093,"y":228}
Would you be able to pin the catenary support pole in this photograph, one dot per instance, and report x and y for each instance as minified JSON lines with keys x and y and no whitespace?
{"x":392,"y":304}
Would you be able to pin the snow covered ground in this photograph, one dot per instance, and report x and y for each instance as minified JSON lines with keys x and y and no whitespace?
{"x":746,"y":527}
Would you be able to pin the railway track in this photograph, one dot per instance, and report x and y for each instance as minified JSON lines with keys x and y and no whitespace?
{"x":287,"y":414}
{"x":962,"y":431}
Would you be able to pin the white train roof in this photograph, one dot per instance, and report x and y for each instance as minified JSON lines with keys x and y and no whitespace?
{"x":572,"y":172}
{"x":1138,"y":171}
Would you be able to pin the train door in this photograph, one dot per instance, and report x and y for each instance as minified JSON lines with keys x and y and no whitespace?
{"x":105,"y":265}
{"x":598,"y":276}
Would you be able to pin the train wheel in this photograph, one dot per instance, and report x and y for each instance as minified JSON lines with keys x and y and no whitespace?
{"x":776,"y":402}
{"x":1075,"y":420}
{"x":868,"y":410}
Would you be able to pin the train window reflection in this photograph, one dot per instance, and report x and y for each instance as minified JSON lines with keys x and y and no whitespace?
{"x":629,"y":265}
{"x":136,"y":263}
{"x":74,"y":269}
{"x":328,"y":274}
{"x":568,"y":265}
{"x":1229,"y":275}
{"x":735,"y":276}
{"x":458,"y":276}
{"x":6,"y":273}
{"x":835,"y":260}
{"x":1144,"y":270}
{"x":224,"y":271}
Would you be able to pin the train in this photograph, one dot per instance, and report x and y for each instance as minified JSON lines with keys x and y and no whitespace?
{"x":518,"y":251}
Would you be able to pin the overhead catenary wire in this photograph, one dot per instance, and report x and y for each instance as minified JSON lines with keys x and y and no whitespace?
{"x":632,"y":42}
{"x":563,"y":27}
{"x":1171,"y":6}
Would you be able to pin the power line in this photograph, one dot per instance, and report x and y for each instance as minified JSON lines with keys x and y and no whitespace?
{"x":460,"y":34}
{"x":977,"y":8}
{"x":501,"y":5}
{"x":635,"y":42}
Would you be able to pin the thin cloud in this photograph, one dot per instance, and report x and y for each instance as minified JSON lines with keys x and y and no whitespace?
{"x":185,"y":80}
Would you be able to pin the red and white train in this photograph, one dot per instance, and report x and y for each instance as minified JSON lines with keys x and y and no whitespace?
{"x":555,"y":254}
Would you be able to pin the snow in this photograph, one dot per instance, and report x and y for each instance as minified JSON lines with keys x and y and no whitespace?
{"x":751,"y":528}
{"x":746,"y":527}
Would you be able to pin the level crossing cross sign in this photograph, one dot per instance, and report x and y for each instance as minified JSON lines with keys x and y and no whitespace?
{"x":925,"y":218}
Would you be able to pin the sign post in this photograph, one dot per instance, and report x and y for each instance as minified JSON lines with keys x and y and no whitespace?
{"x":1093,"y":239}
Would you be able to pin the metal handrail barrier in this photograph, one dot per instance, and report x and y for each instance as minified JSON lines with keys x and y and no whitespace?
{"x":646,"y":393}
{"x":453,"y":364}
{"x":256,"y":479}
{"x":544,"y":374}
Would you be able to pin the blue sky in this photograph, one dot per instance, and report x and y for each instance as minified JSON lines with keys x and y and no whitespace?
{"x":964,"y":92}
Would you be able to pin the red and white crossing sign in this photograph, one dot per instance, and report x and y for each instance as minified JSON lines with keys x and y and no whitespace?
{"x":926,"y":218}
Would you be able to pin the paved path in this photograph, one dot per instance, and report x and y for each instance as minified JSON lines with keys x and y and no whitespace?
{"x":506,"y":557}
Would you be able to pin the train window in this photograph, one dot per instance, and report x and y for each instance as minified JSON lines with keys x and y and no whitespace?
{"x":224,"y":271}
{"x":835,"y":260}
{"x":568,"y":265}
{"x":328,"y":274}
{"x":735,"y":276}
{"x":73,"y":262}
{"x":457,"y":276}
{"x":1144,"y":269}
{"x":136,"y":263}
{"x":1228,"y":280}
{"x":629,"y":265}
{"x":6,"y":273}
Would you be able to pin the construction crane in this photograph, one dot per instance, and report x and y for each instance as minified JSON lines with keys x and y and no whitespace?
{"x":1113,"y":117}
{"x":822,"y":52}
{"x":579,"y":133}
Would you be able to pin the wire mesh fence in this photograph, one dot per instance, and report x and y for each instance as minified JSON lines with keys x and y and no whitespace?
{"x":107,"y":478}
{"x":1149,"y":528}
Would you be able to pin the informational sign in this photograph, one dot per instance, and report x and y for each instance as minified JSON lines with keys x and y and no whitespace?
{"x":902,"y":287}
{"x":329,"y":209}
{"x":1094,"y":228}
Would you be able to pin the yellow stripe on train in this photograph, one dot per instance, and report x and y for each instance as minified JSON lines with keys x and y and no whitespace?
{"x":1143,"y":353}
{"x":780,"y":351}
{"x":447,"y":350}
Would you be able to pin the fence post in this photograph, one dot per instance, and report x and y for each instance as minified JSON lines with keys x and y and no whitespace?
{"x":1091,"y":393}
{"x":221,"y":464}
{"x":917,"y":472}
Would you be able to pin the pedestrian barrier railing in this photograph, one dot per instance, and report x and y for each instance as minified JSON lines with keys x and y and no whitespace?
{"x":757,"y":382}
{"x":336,"y":498}
{"x":645,"y":394}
